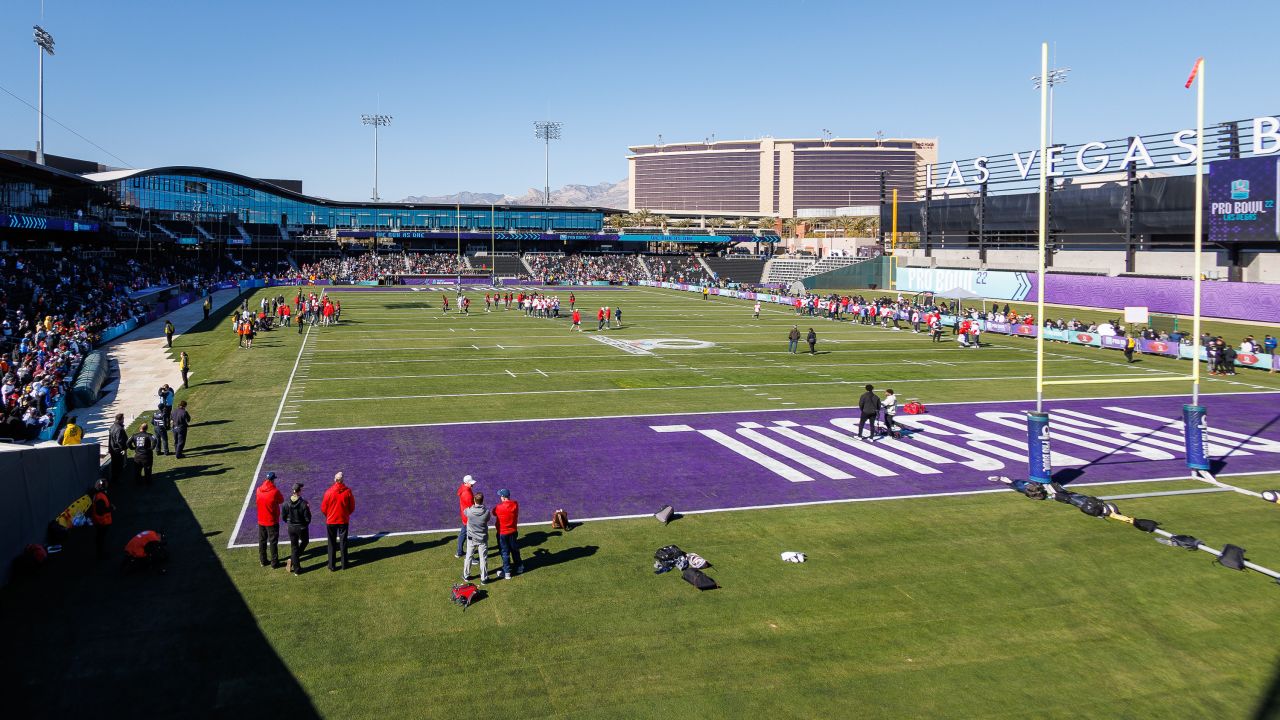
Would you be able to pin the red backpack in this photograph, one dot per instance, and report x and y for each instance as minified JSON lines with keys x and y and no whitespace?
{"x":914,"y":408}
{"x":462,"y":594}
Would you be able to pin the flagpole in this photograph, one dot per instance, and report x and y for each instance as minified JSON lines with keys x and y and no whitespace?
{"x":1044,"y":225}
{"x":1198,"y":230}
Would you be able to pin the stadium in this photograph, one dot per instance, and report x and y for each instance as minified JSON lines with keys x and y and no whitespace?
{"x":836,"y":426}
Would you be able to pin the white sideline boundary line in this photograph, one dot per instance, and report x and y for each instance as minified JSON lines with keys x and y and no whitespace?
{"x":775,"y":506}
{"x":728,"y":412}
{"x":433,"y":396}
{"x":284,"y":398}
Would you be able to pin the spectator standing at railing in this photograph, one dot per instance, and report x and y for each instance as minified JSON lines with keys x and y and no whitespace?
{"x":73,"y":434}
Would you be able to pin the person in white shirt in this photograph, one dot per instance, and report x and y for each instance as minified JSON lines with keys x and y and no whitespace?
{"x":890,"y":407}
{"x":756,"y":313}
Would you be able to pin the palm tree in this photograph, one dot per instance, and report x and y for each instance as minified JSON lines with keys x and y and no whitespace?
{"x":742,"y":223}
{"x":790,"y":224}
{"x":643,"y":218}
{"x":716,"y":222}
{"x":680,"y":223}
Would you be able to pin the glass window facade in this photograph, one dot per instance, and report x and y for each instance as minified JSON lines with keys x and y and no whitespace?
{"x":713,"y":181}
{"x":191,"y":197}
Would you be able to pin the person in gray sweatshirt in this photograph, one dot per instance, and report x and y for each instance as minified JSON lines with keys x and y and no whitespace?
{"x":477,"y":538}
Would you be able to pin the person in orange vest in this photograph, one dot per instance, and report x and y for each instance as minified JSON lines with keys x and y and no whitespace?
{"x":146,"y":549}
{"x":100,"y":512}
{"x":268,"y":500}
{"x":337,"y":505}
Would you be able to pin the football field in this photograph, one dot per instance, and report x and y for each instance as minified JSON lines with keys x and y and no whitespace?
{"x":698,"y":404}
{"x":929,"y":591}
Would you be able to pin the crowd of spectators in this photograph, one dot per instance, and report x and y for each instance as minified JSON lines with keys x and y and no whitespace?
{"x":583,"y":269}
{"x":685,"y":269}
{"x":54,"y":308}
{"x":373,"y":266}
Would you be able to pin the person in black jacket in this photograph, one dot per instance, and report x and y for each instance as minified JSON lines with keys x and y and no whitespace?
{"x":869,"y":407}
{"x":144,"y":448}
{"x":297,"y":517}
{"x":812,"y":339}
{"x":181,"y":420}
{"x":117,"y":445}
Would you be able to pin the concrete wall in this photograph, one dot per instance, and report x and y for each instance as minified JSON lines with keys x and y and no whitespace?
{"x":1178,"y":264}
{"x":1110,"y":262}
{"x":1261,"y":267}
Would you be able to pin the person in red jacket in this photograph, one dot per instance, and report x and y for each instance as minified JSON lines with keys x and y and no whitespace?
{"x":466,"y":498}
{"x":507,"y":517}
{"x":337,"y":505}
{"x":577,"y":321}
{"x":268,"y":499}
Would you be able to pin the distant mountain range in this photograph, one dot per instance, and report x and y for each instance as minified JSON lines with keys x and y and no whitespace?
{"x":605,"y":194}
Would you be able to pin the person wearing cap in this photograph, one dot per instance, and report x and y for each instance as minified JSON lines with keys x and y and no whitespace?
{"x":506,"y":516}
{"x":477,"y":538}
{"x":144,"y":448}
{"x":184,"y":366}
{"x":117,"y":445}
{"x":168,"y":333}
{"x":73,"y":434}
{"x":296,"y":512}
{"x":337,"y":505}
{"x":465,"y":500}
{"x":268,"y":500}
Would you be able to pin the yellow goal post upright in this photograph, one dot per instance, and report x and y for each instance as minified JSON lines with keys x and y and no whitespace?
{"x":1038,"y":449}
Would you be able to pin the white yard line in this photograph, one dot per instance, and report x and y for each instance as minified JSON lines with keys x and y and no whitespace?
{"x":776,"y":506}
{"x":727,"y":412}
{"x":275,"y":423}
{"x":696,"y":387}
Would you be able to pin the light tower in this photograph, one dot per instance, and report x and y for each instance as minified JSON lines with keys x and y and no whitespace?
{"x":376,"y":121}
{"x":45,"y":42}
{"x":1057,"y":76}
{"x":547,"y":130}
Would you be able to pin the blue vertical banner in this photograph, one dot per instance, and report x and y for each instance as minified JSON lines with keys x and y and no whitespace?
{"x":1039,"y":468}
{"x":1196,"y":421}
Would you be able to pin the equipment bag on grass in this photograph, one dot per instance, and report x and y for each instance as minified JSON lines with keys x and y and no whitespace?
{"x":698,"y":579}
{"x":1232,"y":557}
{"x":914,"y":408}
{"x":463,"y":593}
{"x":560,"y":520}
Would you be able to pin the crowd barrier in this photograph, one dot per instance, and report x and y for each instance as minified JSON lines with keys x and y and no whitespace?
{"x":1260,"y":361}
{"x":93,"y":375}
{"x":36,"y":485}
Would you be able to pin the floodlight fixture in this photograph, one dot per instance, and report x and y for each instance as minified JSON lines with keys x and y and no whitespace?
{"x":546,"y":131}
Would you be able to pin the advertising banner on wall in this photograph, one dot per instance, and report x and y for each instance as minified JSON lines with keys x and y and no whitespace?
{"x":1242,"y":200}
{"x":990,"y":284}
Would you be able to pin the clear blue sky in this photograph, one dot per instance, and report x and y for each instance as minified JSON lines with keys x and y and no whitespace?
{"x":275,"y":88}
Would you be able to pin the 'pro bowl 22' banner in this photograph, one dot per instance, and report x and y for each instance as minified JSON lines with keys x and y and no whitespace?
{"x":1242,"y":200}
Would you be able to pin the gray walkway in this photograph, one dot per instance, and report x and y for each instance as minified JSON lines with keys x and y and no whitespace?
{"x":140,"y":364}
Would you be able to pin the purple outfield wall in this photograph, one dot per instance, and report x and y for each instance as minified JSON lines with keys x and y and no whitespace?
{"x":1236,"y":300}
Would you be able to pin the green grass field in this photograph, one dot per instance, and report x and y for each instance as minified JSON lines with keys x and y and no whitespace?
{"x":969,"y":606}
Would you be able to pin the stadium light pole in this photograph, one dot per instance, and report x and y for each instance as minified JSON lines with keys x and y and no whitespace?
{"x":1056,"y":76}
{"x":45,"y":43}
{"x":376,"y":121}
{"x":546,"y":131}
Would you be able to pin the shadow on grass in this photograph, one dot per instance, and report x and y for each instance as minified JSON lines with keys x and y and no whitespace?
{"x":363,"y":551}
{"x":1269,"y":706}
{"x":218,"y":449}
{"x":83,"y":634}
{"x":542,"y":557}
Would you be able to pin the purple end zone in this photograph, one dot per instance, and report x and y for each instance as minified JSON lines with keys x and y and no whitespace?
{"x":404,"y":478}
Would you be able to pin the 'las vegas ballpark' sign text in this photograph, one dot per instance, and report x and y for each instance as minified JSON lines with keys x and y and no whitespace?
{"x":1095,"y":157}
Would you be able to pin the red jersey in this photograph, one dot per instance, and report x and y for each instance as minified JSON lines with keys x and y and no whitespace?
{"x":577,"y":317}
{"x":338,"y":504}
{"x":268,"y":499}
{"x":466,"y":498}
{"x":507,"y":515}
